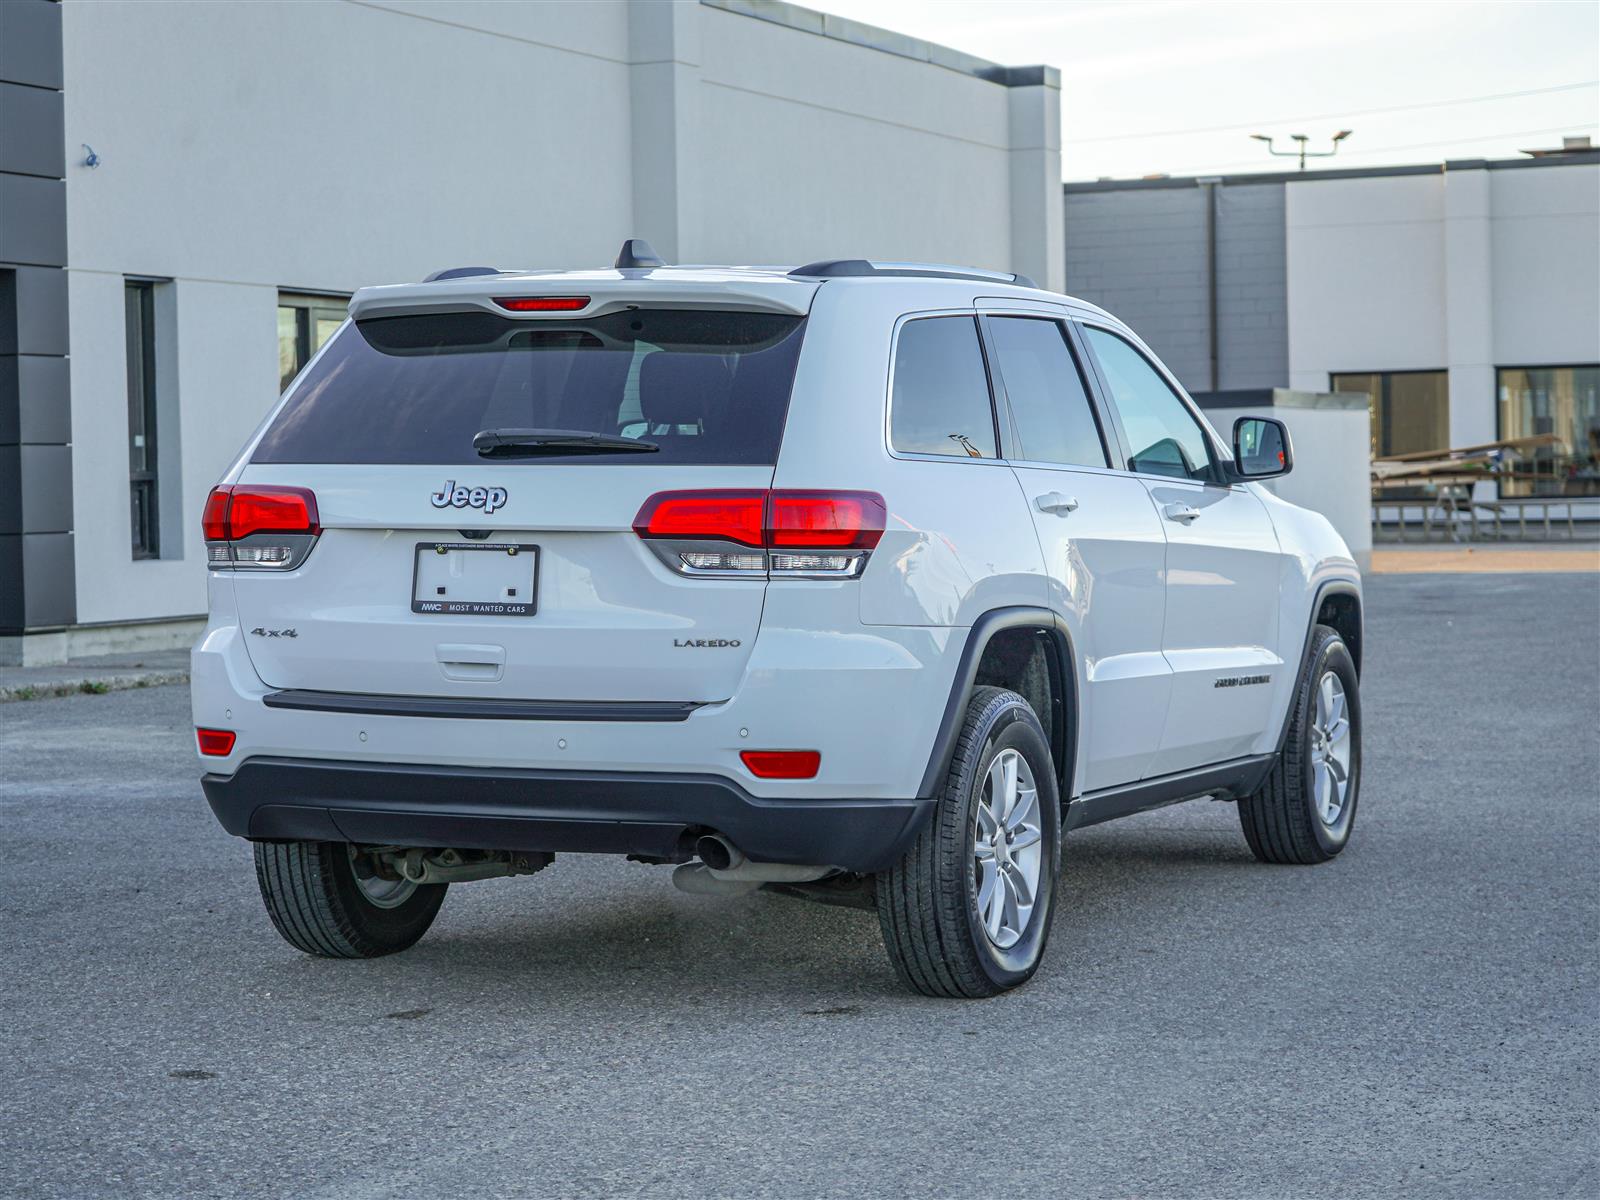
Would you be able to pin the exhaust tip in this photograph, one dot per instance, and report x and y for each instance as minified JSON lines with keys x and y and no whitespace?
{"x":717,"y":852}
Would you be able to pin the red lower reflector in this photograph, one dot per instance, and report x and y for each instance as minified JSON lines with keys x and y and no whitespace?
{"x":782,"y":764}
{"x":215,"y":743}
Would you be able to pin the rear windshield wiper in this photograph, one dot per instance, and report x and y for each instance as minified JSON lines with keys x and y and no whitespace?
{"x":515,"y":443}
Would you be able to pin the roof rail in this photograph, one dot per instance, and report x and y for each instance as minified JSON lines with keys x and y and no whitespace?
{"x":636,"y":252}
{"x":846,"y":268}
{"x":461,"y":273}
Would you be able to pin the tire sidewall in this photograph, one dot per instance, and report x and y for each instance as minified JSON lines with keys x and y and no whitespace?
{"x":1014,"y":727}
{"x":1332,"y":656}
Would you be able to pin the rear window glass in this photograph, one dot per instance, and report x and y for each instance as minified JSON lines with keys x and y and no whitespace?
{"x":705,"y":387}
{"x":941,"y":390}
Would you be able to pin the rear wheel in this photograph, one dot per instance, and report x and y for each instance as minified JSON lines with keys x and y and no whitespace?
{"x":326,"y":900}
{"x":1306,"y":808}
{"x":966,"y":912}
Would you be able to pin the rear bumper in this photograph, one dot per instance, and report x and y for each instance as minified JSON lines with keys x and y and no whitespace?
{"x":488,"y":808}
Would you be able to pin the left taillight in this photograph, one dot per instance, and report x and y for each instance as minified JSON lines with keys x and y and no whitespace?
{"x":259,"y":528}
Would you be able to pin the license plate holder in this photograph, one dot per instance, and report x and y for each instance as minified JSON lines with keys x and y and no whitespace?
{"x":475,"y":579}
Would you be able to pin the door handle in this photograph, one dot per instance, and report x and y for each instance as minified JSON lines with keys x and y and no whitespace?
{"x":1181,"y":512}
{"x":1055,"y":502}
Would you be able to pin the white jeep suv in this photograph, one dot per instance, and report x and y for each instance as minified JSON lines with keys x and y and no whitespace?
{"x":858,"y":581}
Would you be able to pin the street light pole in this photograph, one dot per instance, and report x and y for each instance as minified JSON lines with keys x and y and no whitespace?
{"x":1302,"y":153}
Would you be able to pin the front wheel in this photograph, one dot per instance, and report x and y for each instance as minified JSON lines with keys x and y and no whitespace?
{"x":326,"y":900}
{"x":1305,"y":809}
{"x":966,"y":912}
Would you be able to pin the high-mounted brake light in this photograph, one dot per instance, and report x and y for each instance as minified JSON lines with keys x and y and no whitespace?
{"x":215,"y":743}
{"x":782,"y":764}
{"x":808,"y":534}
{"x":542,"y":303}
{"x":268,"y":527}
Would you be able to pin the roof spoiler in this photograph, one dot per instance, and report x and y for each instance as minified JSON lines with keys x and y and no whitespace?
{"x":851,"y":268}
{"x":460,"y":273}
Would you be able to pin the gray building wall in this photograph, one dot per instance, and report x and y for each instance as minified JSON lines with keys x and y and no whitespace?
{"x":36,"y":550}
{"x":1139,"y":249}
{"x":1252,"y":287}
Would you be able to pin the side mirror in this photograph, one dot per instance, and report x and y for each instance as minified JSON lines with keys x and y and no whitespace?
{"x":1261,"y":448}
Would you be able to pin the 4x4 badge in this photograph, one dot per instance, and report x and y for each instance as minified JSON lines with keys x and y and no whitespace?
{"x":260,"y":632}
{"x":451,"y":496}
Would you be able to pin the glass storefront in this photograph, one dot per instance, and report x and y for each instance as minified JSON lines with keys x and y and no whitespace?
{"x":1565,"y":402}
{"x":1410,"y":409}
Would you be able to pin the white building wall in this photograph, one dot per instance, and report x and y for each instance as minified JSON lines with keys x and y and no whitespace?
{"x":248,"y":148}
{"x":1546,"y":265}
{"x":1366,"y":269}
{"x":812,"y":148}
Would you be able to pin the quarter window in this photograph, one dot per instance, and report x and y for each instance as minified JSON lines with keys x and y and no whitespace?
{"x":941,"y":390}
{"x":1049,"y":405}
{"x":1163,"y":436}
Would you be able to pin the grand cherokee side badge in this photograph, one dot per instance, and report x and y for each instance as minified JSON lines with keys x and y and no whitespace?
{"x":1242,"y":681}
{"x":705,"y":643}
{"x":451,"y":496}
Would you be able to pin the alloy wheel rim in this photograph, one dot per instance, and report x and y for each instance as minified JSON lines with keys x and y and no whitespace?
{"x":1331,"y":747}
{"x":1007,"y":849}
{"x":381,"y":893}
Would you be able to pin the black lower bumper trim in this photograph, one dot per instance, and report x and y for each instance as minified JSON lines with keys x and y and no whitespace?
{"x":477,"y":808}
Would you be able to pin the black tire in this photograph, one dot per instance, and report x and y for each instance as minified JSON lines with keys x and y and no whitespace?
{"x":313,"y":897}
{"x":928,"y":902}
{"x":1281,"y":820}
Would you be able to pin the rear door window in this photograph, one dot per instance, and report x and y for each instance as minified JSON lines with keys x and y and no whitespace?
{"x":941,"y":390}
{"x":704,"y":387}
{"x":1049,"y":405}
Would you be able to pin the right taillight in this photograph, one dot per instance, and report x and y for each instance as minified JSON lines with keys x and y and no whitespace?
{"x":741,"y":534}
{"x":259,"y":528}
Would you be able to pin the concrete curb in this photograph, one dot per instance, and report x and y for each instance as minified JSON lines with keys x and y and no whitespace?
{"x":92,"y":684}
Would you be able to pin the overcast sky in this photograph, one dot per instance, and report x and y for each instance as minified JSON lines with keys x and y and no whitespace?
{"x":1141,"y":79}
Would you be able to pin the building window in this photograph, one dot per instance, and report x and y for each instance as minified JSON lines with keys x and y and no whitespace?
{"x":1562,"y":402}
{"x":304,"y":323}
{"x":1410,"y":409}
{"x":139,"y":307}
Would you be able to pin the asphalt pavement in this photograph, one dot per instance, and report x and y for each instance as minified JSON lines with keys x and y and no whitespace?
{"x":1418,"y":1017}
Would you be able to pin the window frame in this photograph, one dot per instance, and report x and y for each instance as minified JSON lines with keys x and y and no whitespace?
{"x":306,"y":305}
{"x":143,"y":484}
{"x":901,"y":322}
{"x":1383,"y":396}
{"x":1010,"y":441}
{"x":1219,"y":474}
{"x":1499,"y":420}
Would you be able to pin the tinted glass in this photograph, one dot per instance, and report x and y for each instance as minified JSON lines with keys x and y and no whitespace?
{"x":1559,"y":401}
{"x":941,"y":391}
{"x":706,"y":387}
{"x":1410,"y":409}
{"x":1163,"y":438}
{"x":1049,"y":405}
